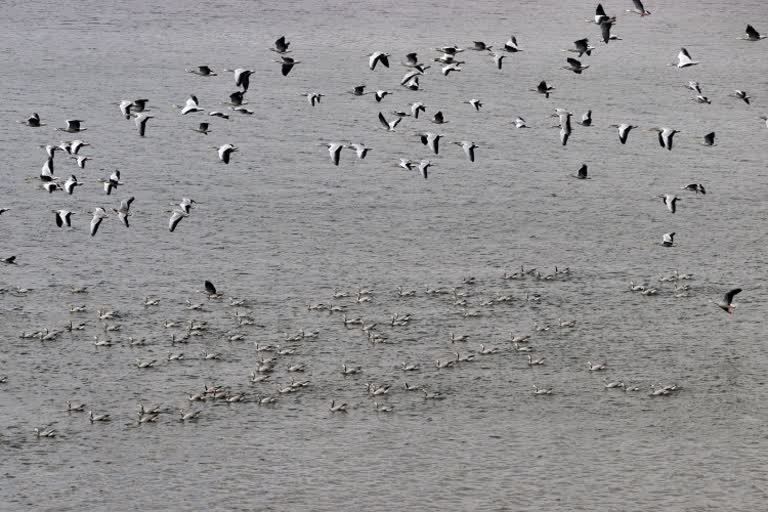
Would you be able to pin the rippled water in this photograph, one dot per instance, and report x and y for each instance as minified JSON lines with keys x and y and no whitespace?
{"x":282,"y":227}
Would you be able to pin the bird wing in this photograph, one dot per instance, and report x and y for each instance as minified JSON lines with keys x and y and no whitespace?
{"x":605,"y":30}
{"x":639,"y":5}
{"x":728,"y":297}
{"x":383,"y":121}
{"x":574,"y":63}
{"x":209,"y":288}
{"x":752,"y":33}
{"x":176,"y":217}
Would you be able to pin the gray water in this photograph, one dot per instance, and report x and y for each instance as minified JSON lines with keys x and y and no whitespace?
{"x":282,"y":227}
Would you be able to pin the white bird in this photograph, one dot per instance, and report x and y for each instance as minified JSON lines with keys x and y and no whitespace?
{"x":668,"y":239}
{"x":360,"y":149}
{"x":670,"y":201}
{"x":70,"y":184}
{"x":191,"y":105}
{"x":476,"y":104}
{"x":81,"y":161}
{"x":176,"y":217}
{"x":125,"y":108}
{"x":431,"y":140}
{"x":186,"y":204}
{"x":334,"y":150}
{"x":511,"y":45}
{"x":596,"y":367}
{"x":98,"y":215}
{"x":338,"y":408}
{"x":416,"y":108}
{"x":141,"y":123}
{"x":684,"y":59}
{"x":469,"y":149}
{"x":665,"y":136}
{"x":380,"y":94}
{"x":124,"y":211}
{"x":405,"y":164}
{"x":726,"y":304}
{"x":520,"y":123}
{"x":63,"y":218}
{"x":424,"y":166}
{"x":742,"y":95}
{"x":73,"y":126}
{"x":624,"y":130}
{"x":225,"y":152}
{"x":376,"y":58}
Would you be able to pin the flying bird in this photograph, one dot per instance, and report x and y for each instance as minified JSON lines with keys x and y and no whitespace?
{"x":439,"y":118}
{"x":73,"y":126}
{"x":670,"y":201}
{"x":476,"y":104}
{"x":709,"y":139}
{"x":225,"y":152}
{"x":416,"y":108}
{"x":191,"y":105}
{"x":668,"y":239}
{"x":334,"y":150}
{"x":684,"y":59}
{"x":70,"y":184}
{"x":497,"y":59}
{"x":209,"y":288}
{"x":124,"y":210}
{"x":582,"y":47}
{"x":582,"y":173}
{"x":511,"y":45}
{"x":544,"y":89}
{"x":202,"y":71}
{"x":281,"y":45}
{"x":63,"y":218}
{"x":586,"y":119}
{"x":360,"y":149}
{"x":141,"y":123}
{"x":469,"y":149}
{"x":202,"y":128}
{"x":431,"y":140}
{"x":639,"y":9}
{"x":665,"y":136}
{"x":176,"y":216}
{"x":389,"y":125}
{"x":98,"y":215}
{"x":726,"y":304}
{"x":376,"y":58}
{"x":287,"y":64}
{"x":313,"y":98}
{"x":605,"y":30}
{"x":695,"y":187}
{"x":575,"y":66}
{"x":33,"y":121}
{"x":742,"y":95}
{"x":624,"y":130}
{"x":752,"y":34}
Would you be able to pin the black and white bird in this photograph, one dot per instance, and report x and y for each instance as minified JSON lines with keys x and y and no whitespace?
{"x":575,"y":65}
{"x":476,"y":104}
{"x":124,"y":210}
{"x":225,"y":152}
{"x":63,"y":218}
{"x":670,"y":201}
{"x":191,"y":105}
{"x":358,"y":90}
{"x":605,"y":30}
{"x":360,"y":149}
{"x":389,"y":125}
{"x":201,"y":71}
{"x":684,"y":59}
{"x":624,"y":130}
{"x":695,"y":187}
{"x":71,"y":184}
{"x":409,"y":76}
{"x":379,"y":95}
{"x":600,"y":15}
{"x":176,"y":216}
{"x":334,"y":150}
{"x":497,"y":59}
{"x":236,"y":99}
{"x":281,"y":45}
{"x":51,"y":186}
{"x":511,"y":45}
{"x":73,"y":126}
{"x":586,"y":119}
{"x":424,"y":166}
{"x":544,"y":89}
{"x":405,"y":164}
{"x":700,"y":98}
{"x":665,"y":136}
{"x":565,"y":126}
{"x":46,"y":171}
{"x":202,"y":128}
{"x":694,"y":86}
{"x":416,"y":108}
{"x":376,"y":58}
{"x":286,"y":64}
{"x":469,"y":148}
{"x":726,"y":303}
{"x":242,"y":77}
{"x":639,"y":8}
{"x":75,"y":146}
{"x":752,"y":34}
{"x":439,"y":118}
{"x":186,"y":204}
{"x":98,"y":215}
{"x":431,"y":140}
{"x":80,"y":160}
{"x":141,"y":123}
{"x":111,"y":182}
{"x":33,"y":121}
{"x":742,"y":95}
{"x":313,"y":98}
{"x":520,"y":122}
{"x":668,"y":239}
{"x":582,"y":47}
{"x":709,"y":139}
{"x":582,"y":173}
{"x":480,"y":46}
{"x":447,"y":69}
{"x":216,"y":113}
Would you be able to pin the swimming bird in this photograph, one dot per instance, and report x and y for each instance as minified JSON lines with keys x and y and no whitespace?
{"x":124,"y":211}
{"x":225,"y":152}
{"x":586,"y":119}
{"x":511,"y":45}
{"x":389,"y":125}
{"x":360,"y":149}
{"x":176,"y":217}
{"x":639,"y":8}
{"x":287,"y":64}
{"x":668,"y":239}
{"x":726,"y":304}
{"x":742,"y":95}
{"x":541,"y":391}
{"x":575,"y":65}
{"x":33,"y":121}
{"x":281,"y":45}
{"x":684,"y":59}
{"x":141,"y":123}
{"x":63,"y":218}
{"x":665,"y":136}
{"x":535,"y":362}
{"x":201,"y":71}
{"x":469,"y":149}
{"x":695,"y":187}
{"x":98,"y":215}
{"x":376,"y":58}
{"x":46,"y":432}
{"x":670,"y":201}
{"x":624,"y":130}
{"x":476,"y":104}
{"x":191,"y":105}
{"x":431,"y":140}
{"x":98,"y":417}
{"x":582,"y":173}
{"x":596,"y":367}
{"x":752,"y":34}
{"x":73,"y":126}
{"x":334,"y":148}
{"x":709,"y":139}
{"x":544,"y":89}
{"x":202,"y":128}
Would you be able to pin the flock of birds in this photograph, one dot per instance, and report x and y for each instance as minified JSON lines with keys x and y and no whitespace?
{"x":260,"y":387}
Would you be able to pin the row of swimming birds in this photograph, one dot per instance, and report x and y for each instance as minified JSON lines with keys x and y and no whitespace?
{"x":302,"y":344}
